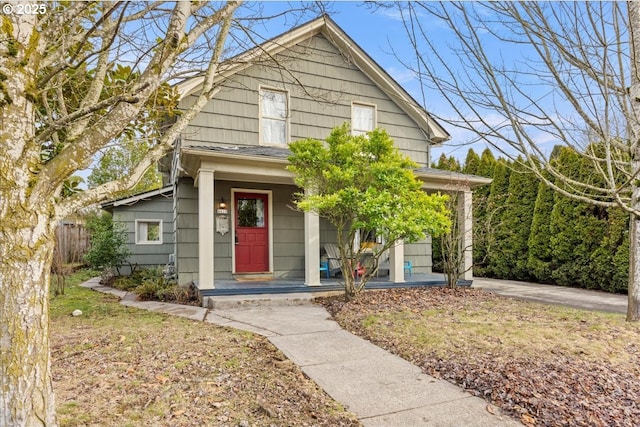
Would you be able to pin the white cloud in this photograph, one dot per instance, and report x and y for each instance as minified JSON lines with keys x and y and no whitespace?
{"x":401,"y":75}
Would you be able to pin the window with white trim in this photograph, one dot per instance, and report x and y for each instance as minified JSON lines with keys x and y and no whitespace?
{"x":363,"y":118}
{"x":274,"y":113}
{"x":148,"y":231}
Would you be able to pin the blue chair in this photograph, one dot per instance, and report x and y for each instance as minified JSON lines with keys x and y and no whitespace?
{"x":408,"y":266}
{"x":324,"y":266}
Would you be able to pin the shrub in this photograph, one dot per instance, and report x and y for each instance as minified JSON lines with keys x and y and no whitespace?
{"x":108,"y":243}
{"x":125,"y":283}
{"x":151,"y":284}
{"x":151,"y":289}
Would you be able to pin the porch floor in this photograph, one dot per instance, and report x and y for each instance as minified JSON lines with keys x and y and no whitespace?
{"x":296,"y":285}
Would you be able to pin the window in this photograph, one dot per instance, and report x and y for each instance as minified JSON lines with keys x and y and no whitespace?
{"x":363,"y":118}
{"x":250,"y":213}
{"x":273,"y":116}
{"x":149,"y":232}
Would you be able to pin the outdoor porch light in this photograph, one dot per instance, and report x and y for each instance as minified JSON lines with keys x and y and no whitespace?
{"x":222,"y":204}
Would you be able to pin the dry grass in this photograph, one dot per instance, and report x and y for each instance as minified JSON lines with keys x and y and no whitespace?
{"x":117,"y":366}
{"x":546,"y":365}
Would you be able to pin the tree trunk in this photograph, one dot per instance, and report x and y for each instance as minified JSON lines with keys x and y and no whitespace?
{"x":26,"y":244}
{"x":26,"y":397}
{"x":633,"y":306}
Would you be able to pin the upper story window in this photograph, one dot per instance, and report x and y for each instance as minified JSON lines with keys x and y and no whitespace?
{"x":363,"y":118}
{"x":274,"y":112}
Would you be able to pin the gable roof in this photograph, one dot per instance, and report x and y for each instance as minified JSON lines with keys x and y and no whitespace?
{"x":331,"y":31}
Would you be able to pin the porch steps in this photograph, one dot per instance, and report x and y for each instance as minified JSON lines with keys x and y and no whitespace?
{"x":221,"y":302}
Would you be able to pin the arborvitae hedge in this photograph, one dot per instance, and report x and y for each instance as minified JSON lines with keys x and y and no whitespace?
{"x":539,"y":245}
{"x":471,"y":163}
{"x":496,"y":211}
{"x":526,"y":231}
{"x":510,"y":251}
{"x":483,"y":229}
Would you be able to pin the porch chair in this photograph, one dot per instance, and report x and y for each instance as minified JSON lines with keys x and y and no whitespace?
{"x":360,"y":270}
{"x":408,"y":266}
{"x":324,"y":266}
{"x":333,"y":258}
{"x":385,"y":264}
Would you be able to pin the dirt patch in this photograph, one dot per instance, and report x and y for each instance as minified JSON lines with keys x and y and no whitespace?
{"x":544,"y":365}
{"x":118,"y":366}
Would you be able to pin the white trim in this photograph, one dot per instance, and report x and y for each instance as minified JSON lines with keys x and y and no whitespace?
{"x":365,"y":104}
{"x":261,"y":89}
{"x":138,"y":241}
{"x":136,"y":198}
{"x":206,"y":234}
{"x":465,"y":230}
{"x":232,"y":215}
{"x":396,"y":262}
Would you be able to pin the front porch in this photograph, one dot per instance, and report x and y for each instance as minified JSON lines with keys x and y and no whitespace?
{"x":211,"y":243}
{"x":285,"y":286}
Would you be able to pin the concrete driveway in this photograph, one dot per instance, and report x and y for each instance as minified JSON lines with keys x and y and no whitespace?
{"x":561,"y":295}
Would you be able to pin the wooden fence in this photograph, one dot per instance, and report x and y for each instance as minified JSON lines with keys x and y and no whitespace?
{"x":72,"y":242}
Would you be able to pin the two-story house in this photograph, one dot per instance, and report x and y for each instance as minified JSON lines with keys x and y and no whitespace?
{"x":227,"y":211}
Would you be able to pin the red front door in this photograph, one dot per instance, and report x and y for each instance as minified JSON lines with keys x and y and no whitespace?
{"x":252,"y":232}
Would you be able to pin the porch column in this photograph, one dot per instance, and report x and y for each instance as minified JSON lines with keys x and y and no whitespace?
{"x":465,"y":225}
{"x":396,"y":262}
{"x":206,"y":222}
{"x":311,"y":249}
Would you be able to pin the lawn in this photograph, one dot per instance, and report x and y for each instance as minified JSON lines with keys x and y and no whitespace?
{"x":119,"y":366}
{"x":544,"y":365}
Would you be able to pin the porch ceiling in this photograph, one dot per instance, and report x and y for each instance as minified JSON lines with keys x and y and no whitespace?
{"x":268,"y":165}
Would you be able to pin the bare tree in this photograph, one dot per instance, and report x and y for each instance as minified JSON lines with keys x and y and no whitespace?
{"x":74,"y":78}
{"x":520,"y":73}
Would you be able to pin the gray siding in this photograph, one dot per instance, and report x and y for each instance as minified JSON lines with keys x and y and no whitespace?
{"x":186,"y":237}
{"x":288,"y":234}
{"x":288,"y":231}
{"x":158,"y":208}
{"x":419,"y":254}
{"x":331,"y":83}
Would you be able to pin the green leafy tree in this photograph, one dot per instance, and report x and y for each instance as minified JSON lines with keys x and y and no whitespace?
{"x":119,"y":161}
{"x":363,"y":184}
{"x":108,"y":243}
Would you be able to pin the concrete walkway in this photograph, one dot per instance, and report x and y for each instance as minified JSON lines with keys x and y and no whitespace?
{"x":379,"y":387}
{"x":572,"y":297}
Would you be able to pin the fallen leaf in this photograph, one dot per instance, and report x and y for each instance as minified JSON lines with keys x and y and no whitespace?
{"x":162,"y":379}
